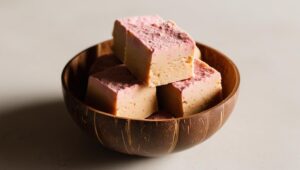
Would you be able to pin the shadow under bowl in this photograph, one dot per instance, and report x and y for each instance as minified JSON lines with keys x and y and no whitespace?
{"x":146,"y":137}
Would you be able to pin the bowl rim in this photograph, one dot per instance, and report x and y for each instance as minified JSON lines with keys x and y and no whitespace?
{"x":230,"y":95}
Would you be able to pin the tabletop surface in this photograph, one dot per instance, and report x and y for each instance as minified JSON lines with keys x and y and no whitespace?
{"x":38,"y":38}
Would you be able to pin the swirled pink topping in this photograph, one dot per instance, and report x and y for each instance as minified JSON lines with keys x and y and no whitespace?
{"x":140,"y":20}
{"x":156,"y":33}
{"x":116,"y":78}
{"x":104,"y":62}
{"x":202,"y":72}
{"x":162,"y":35}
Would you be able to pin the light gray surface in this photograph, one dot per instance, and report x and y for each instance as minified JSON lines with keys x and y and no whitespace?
{"x":37,"y":39}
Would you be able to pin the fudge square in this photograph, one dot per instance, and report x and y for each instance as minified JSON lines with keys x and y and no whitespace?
{"x":104,"y":62}
{"x":159,"y":54}
{"x":116,"y":91}
{"x":121,"y":26}
{"x":193,"y":95}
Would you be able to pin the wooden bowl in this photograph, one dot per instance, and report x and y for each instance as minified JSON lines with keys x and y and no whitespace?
{"x":146,"y":137}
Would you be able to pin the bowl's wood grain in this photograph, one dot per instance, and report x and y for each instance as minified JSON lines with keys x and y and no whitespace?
{"x":147,"y":137}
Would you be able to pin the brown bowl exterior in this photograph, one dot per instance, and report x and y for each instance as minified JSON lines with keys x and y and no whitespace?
{"x":147,"y":137}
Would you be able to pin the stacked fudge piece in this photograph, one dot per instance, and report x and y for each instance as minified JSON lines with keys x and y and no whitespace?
{"x":159,"y":64}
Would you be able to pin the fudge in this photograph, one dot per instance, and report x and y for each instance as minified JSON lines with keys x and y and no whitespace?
{"x":115,"y":90}
{"x":153,"y":60}
{"x":104,"y":62}
{"x":161,"y":115}
{"x":192,"y":95}
{"x":121,"y":27}
{"x":197,"y":53}
{"x":159,"y":54}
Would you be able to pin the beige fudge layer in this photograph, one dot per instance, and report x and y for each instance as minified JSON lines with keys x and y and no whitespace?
{"x":193,"y":95}
{"x":197,"y":53}
{"x":160,"y":53}
{"x":117,"y":91}
{"x":121,"y":26}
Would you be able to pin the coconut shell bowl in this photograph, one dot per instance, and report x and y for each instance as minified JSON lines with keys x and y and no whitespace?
{"x":147,"y":137}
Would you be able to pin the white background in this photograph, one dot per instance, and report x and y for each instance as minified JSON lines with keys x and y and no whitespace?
{"x":37,"y":38}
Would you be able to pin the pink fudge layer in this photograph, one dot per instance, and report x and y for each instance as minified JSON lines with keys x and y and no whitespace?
{"x":104,"y":62}
{"x":162,"y":36}
{"x":192,"y":95}
{"x":121,"y":27}
{"x":117,"y":91}
{"x":159,"y":54}
{"x":202,"y":72}
{"x":117,"y":78}
{"x":140,"y":20}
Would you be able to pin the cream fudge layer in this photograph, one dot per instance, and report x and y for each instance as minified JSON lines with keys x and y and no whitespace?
{"x":159,"y":54}
{"x":117,"y":91}
{"x":121,"y":26}
{"x":197,"y":53}
{"x":104,"y":62}
{"x":192,"y":95}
